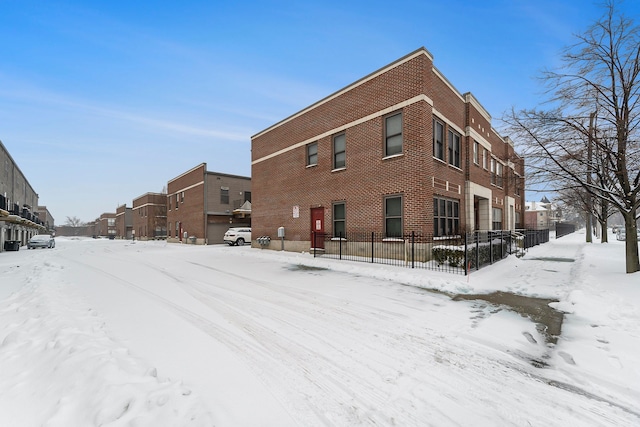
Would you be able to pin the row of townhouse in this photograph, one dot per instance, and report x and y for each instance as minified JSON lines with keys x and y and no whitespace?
{"x":20,"y":215}
{"x":398,"y":151}
{"x":198,"y":207}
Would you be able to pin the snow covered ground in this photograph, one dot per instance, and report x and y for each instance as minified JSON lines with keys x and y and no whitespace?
{"x":121,"y":333}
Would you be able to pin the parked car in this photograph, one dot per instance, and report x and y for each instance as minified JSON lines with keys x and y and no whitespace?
{"x":41,"y":241}
{"x":237,"y":236}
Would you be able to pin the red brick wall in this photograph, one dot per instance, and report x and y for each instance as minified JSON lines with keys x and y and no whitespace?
{"x":190,"y":211}
{"x":283,"y":181}
{"x":149,"y":211}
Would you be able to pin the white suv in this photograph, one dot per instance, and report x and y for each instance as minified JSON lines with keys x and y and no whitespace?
{"x":237,"y":236}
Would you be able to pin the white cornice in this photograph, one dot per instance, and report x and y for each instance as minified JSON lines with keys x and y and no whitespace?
{"x":473,"y":101}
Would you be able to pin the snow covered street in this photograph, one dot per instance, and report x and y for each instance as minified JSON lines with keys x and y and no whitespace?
{"x":119,"y":333}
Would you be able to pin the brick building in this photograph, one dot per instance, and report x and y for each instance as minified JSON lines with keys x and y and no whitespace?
{"x":399,"y":150}
{"x":19,"y":218}
{"x":105,"y":226}
{"x":201,"y":205}
{"x":149,"y":214}
{"x":46,"y":219}
{"x":124,"y":222}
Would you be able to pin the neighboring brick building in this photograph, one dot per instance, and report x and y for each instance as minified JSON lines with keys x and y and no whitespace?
{"x":201,"y":205}
{"x":18,"y":202}
{"x":46,"y":219}
{"x":124,"y":222}
{"x":400,"y":150}
{"x":149,"y":214}
{"x":106,"y":225}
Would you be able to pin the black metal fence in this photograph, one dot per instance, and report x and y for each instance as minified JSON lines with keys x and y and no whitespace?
{"x":455,"y":254}
{"x":563,"y":228}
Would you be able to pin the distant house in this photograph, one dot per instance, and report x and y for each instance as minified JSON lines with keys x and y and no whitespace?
{"x":542,"y":214}
{"x":149,"y":216}
{"x":398,"y":151}
{"x":202,"y":205}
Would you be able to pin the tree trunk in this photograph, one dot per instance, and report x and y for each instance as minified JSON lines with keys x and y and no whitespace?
{"x":604,"y":209}
{"x":631,"y":242}
{"x":605,"y":233}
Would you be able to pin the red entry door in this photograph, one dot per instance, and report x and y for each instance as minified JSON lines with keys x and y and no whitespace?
{"x":317,"y":228}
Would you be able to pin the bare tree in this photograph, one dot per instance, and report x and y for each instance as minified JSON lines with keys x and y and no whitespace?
{"x":73,"y":221}
{"x":588,"y":137}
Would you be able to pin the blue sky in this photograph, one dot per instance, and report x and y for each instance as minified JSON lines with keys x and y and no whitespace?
{"x":103,"y":101}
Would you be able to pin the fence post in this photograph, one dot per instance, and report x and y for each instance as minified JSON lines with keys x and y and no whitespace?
{"x":413,"y":242}
{"x":490,"y":236}
{"x":313,"y":243}
{"x":466,"y":261}
{"x":340,"y":243}
{"x":372,"y":247}
{"x":477,"y":251}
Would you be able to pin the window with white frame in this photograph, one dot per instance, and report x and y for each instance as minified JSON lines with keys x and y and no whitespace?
{"x":339,"y":151}
{"x":454,"y":148}
{"x":446,"y":217}
{"x":476,"y":146}
{"x":438,"y":139}
{"x":339,"y":219}
{"x":393,"y":216}
{"x":312,"y":154}
{"x":497,"y":218}
{"x":393,"y":135}
{"x":493,"y":171}
{"x":499,"y":174}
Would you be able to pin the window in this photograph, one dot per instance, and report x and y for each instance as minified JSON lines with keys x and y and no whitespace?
{"x":170,"y":203}
{"x":339,"y":151}
{"x":497,"y":219}
{"x":224,"y":195}
{"x":393,"y":135}
{"x":493,"y":171}
{"x":475,"y":152}
{"x":247,"y":196}
{"x":499,"y":174}
{"x":312,"y":154}
{"x":454,"y":149}
{"x":446,"y":217}
{"x":438,"y":139}
{"x":484,"y":158}
{"x":393,"y":216}
{"x":182,"y":197}
{"x":339,"y":217}
{"x":177,"y":200}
